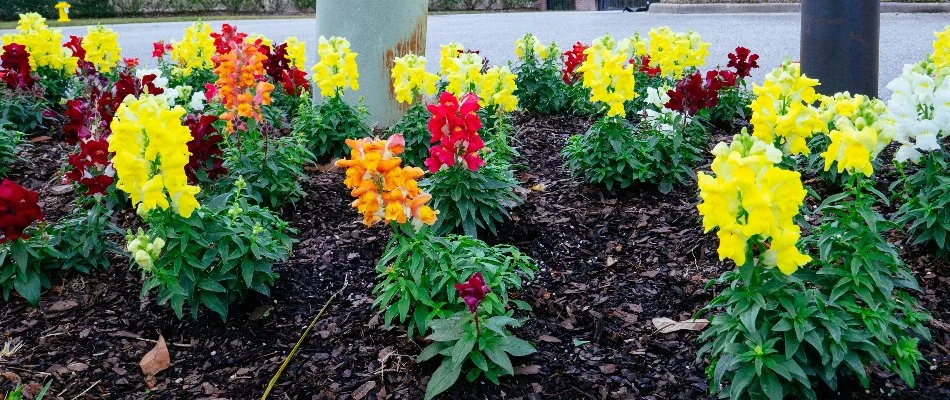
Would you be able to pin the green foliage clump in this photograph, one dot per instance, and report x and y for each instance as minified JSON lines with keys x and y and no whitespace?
{"x":413,"y":126}
{"x":473,"y":200}
{"x":11,"y":142}
{"x":27,"y":264}
{"x":926,"y":210}
{"x":617,"y":154}
{"x":83,"y":238}
{"x":417,"y":273}
{"x":273,"y":167}
{"x":226,"y":249}
{"x":326,"y":126}
{"x":22,"y":110}
{"x":779,"y":336}
{"x":539,"y":87}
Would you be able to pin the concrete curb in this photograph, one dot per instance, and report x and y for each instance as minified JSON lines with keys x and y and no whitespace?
{"x":905,"y":8}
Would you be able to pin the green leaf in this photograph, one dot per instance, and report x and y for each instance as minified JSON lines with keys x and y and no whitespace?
{"x":443,"y":378}
{"x":771,"y":386}
{"x":462,"y":348}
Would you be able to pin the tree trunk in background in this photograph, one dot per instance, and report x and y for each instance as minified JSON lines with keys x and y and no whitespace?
{"x":841,"y":44}
{"x":378,"y":31}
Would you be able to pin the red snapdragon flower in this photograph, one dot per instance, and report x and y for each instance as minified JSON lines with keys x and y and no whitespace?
{"x":718,"y":79}
{"x":743,"y":60}
{"x":225,"y":41}
{"x":473,"y":291}
{"x":572,"y":59}
{"x":75,"y":46}
{"x":693,"y":93}
{"x":131,"y":62}
{"x":205,"y":152}
{"x":159,"y":48}
{"x":645,"y":67}
{"x":18,"y":210}
{"x":454,"y":127}
{"x":92,"y":166}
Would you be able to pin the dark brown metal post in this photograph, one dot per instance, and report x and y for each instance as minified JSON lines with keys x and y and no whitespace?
{"x":841,"y":44}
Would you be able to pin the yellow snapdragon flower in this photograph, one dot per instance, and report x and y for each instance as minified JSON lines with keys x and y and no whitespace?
{"x":750,"y":198}
{"x":447,"y":57}
{"x":296,"y":52}
{"x":410,"y":78}
{"x":860,"y":130}
{"x":782,"y":111}
{"x":255,"y":37}
{"x":45,"y":45}
{"x":194,"y":51}
{"x":102,"y":48}
{"x":608,"y":75}
{"x":465,"y":75}
{"x":337,"y":67}
{"x":497,"y":88}
{"x":540,"y":51}
{"x":151,"y":151}
{"x":674,"y":52}
{"x":941,"y":55}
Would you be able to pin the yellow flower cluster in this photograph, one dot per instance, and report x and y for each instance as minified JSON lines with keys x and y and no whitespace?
{"x":465,"y":74}
{"x":608,"y":75}
{"x":45,"y":45}
{"x":194,"y":51}
{"x":102,"y":48}
{"x":750,"y":199}
{"x":530,"y":44}
{"x":143,"y":249}
{"x":447,"y":57}
{"x":782,"y":111}
{"x":497,"y":88}
{"x":151,"y":151}
{"x":336,"y":68}
{"x":675,"y":52}
{"x":410,"y":78}
{"x":941,"y":56}
{"x":859,"y":131}
{"x":296,"y":52}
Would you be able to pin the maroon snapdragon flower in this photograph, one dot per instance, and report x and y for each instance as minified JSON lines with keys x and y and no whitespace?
{"x":19,"y":209}
{"x":15,"y":66}
{"x":205,"y":152}
{"x":743,"y":61}
{"x":278,"y":67}
{"x":693,"y":93}
{"x":473,"y":291}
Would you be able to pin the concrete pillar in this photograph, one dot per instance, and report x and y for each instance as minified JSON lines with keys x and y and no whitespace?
{"x":841,"y":44}
{"x":378,"y":31}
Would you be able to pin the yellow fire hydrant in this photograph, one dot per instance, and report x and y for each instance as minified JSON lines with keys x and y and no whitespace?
{"x":63,"y":8}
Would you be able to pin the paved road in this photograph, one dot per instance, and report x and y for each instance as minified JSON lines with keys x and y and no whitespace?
{"x":905,"y":38}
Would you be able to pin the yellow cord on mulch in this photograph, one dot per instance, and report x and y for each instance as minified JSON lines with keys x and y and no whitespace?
{"x":293,"y":352}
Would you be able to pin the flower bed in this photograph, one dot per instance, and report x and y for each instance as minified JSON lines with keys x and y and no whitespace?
{"x":197,"y":201}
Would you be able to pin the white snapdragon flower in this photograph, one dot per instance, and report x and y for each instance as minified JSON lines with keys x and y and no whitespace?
{"x":197,"y":101}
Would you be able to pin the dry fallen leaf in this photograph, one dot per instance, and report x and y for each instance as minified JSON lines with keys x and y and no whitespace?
{"x":363,"y":390}
{"x":549,"y":339}
{"x":539,"y":187}
{"x":666,"y":325}
{"x":157,"y":359}
{"x":527,"y":370}
{"x":611,"y":261}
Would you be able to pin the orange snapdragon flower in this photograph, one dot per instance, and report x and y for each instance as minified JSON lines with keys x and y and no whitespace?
{"x":242,"y":84}
{"x":385,"y":190}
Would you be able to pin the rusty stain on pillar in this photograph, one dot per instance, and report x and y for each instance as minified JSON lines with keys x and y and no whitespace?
{"x":840,"y":44}
{"x":378,"y":30}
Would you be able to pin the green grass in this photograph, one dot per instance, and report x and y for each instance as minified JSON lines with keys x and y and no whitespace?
{"x":170,"y":18}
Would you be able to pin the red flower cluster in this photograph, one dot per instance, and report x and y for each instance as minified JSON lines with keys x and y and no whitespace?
{"x":75,"y":46}
{"x":645,"y":67}
{"x":743,"y":61}
{"x":473,"y":291}
{"x":15,"y":67}
{"x":572,"y":58}
{"x":92,"y":167}
{"x":454,"y":127}
{"x":229,"y":37}
{"x":18,"y":210}
{"x":278,"y":68}
{"x":159,"y":49}
{"x":693,"y":93}
{"x":205,"y":153}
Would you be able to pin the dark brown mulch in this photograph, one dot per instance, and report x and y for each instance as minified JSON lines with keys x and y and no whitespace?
{"x":611,"y":261}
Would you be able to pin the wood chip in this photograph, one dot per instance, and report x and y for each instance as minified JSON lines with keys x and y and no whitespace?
{"x":666,"y":325}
